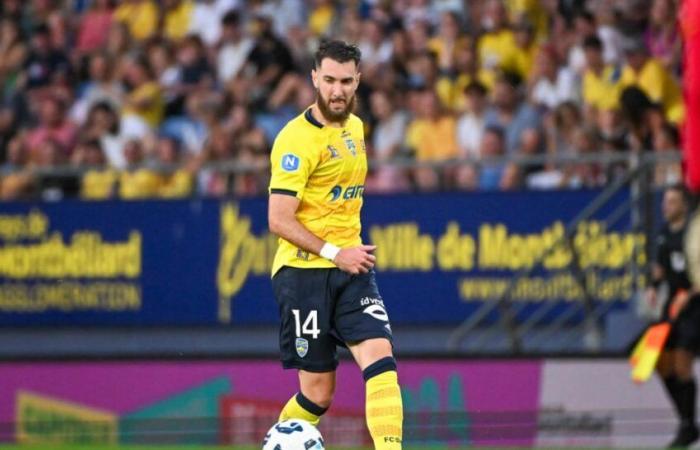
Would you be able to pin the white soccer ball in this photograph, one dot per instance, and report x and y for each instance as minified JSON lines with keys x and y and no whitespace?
{"x":293,"y":434}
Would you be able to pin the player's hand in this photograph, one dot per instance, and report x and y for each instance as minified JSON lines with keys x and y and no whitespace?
{"x":356,"y":260}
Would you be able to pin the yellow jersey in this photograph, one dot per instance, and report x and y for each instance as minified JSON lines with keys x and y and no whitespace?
{"x":602,"y":91}
{"x":660,"y":87}
{"x":141,"y":18}
{"x":433,"y":140}
{"x":98,"y":184}
{"x":325,"y":168}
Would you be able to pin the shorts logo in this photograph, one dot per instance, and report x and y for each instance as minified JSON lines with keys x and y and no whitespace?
{"x":302,"y":346}
{"x":290,"y":162}
{"x":375,"y":308}
{"x":378,"y":312}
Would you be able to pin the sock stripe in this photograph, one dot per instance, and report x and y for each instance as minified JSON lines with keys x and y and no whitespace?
{"x":310,"y":406}
{"x":386,"y":430}
{"x":384,"y":393}
{"x":385,"y":364}
{"x":385,"y":411}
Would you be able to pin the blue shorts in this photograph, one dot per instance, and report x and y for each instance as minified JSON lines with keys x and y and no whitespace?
{"x":323,"y":308}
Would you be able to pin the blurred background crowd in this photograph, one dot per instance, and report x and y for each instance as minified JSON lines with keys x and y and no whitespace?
{"x":171,"y":98}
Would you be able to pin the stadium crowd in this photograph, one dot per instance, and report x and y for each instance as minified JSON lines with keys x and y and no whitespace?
{"x":143,"y":98}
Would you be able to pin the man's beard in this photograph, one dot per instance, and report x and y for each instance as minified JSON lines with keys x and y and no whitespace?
{"x":335,"y":116}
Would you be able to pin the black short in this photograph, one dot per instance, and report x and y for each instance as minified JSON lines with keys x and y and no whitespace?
{"x":685,"y":330}
{"x":323,"y":308}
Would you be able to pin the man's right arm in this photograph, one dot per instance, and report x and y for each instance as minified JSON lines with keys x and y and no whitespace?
{"x":282,"y":221}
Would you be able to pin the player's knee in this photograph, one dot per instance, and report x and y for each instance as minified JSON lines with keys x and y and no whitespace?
{"x":319,"y":389}
{"x":320,"y":395}
{"x":370,"y":351}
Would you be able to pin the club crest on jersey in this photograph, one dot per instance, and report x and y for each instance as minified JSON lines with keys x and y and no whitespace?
{"x":334,"y":152}
{"x":302,"y":346}
{"x":290,"y":162}
{"x":351,"y":146}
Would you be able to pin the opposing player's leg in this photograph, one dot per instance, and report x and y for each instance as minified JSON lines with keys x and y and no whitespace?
{"x":305,"y":342}
{"x":361,"y":321}
{"x":313,"y":399}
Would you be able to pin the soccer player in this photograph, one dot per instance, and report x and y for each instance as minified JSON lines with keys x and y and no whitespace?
{"x":675,"y":365}
{"x":322,"y":275}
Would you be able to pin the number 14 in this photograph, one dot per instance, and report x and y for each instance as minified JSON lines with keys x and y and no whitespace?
{"x":310,"y":325}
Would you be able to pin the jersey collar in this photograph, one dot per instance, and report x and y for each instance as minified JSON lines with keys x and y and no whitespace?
{"x":311,"y":119}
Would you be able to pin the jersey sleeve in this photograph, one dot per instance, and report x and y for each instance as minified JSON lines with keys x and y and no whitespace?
{"x":291,"y":166}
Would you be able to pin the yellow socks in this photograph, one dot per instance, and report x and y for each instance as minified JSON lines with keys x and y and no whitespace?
{"x":300,"y":407}
{"x":384,"y":409}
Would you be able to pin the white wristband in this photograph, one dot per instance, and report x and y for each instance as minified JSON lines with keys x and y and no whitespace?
{"x":329,"y":251}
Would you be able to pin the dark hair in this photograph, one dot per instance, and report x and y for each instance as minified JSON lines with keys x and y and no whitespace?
{"x":338,"y":51}
{"x":475,"y":87}
{"x":681,"y":189}
{"x":634,"y":104}
{"x":496,"y":130}
{"x":593,"y":42}
{"x":585,"y":15}
{"x":231,"y":18}
{"x":513,"y":79}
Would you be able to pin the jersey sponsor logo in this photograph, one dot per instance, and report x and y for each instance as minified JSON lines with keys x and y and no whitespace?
{"x":290,"y":162}
{"x":335,"y":153}
{"x":302,"y":346}
{"x":335,"y":193}
{"x":349,"y":193}
{"x":301,"y":254}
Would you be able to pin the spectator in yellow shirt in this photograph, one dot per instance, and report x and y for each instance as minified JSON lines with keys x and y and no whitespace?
{"x":144,"y":102}
{"x":497,"y":46}
{"x":450,"y":86}
{"x":650,"y":76}
{"x":99,"y":180}
{"x":321,"y":17}
{"x":432,"y":135}
{"x":141,"y":16}
{"x":445,"y":41}
{"x":525,"y":48}
{"x":533,"y":12}
{"x":178,"y":18}
{"x":136,"y":181}
{"x":175,"y":181}
{"x":600,"y":87}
